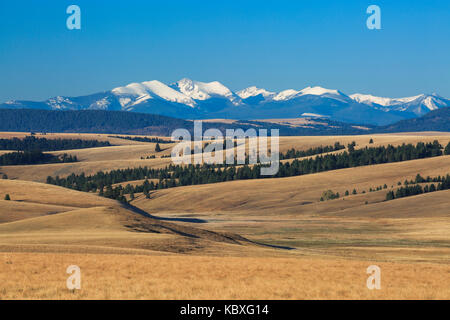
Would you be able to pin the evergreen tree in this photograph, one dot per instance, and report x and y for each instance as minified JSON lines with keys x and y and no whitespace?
{"x":390,"y":196}
{"x":157,"y":148}
{"x":351,"y":147}
{"x":7,"y":197}
{"x":447,"y":149}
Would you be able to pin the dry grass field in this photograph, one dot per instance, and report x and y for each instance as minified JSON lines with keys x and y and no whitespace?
{"x":287,"y":212}
{"x":248,"y":239}
{"x":43,"y":276}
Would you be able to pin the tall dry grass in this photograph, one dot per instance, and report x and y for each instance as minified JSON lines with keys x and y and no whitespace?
{"x":42,"y":276}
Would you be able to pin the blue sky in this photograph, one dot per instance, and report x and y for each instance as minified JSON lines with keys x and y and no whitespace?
{"x":272,"y":44}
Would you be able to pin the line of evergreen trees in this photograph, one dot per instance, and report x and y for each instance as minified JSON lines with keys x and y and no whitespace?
{"x":292,"y":153}
{"x":173,"y":176}
{"x":31,"y":143}
{"x":414,"y":188}
{"x":33,"y":157}
{"x":143,"y":139}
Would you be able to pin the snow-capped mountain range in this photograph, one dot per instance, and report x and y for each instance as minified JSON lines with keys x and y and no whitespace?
{"x":200,"y":100}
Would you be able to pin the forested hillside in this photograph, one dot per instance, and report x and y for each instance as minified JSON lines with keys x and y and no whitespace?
{"x":32,"y":143}
{"x":122,"y":122}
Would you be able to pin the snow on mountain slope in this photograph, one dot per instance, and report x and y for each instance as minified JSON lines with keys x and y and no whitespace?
{"x":419,"y":104}
{"x":422,"y":104}
{"x":326,"y":93}
{"x":205,"y":90}
{"x":408,"y":99}
{"x":430,"y":103}
{"x":148,"y":90}
{"x":369,"y":99}
{"x":313,"y":91}
{"x":101,"y":104}
{"x":286,"y":95}
{"x":318,"y":91}
{"x":313,"y":115}
{"x":253,"y":92}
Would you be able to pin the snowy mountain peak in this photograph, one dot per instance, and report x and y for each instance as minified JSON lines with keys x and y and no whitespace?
{"x":253,"y":92}
{"x":205,"y":90}
{"x":418,"y":105}
{"x":190,"y":89}
{"x":314,"y":91}
{"x":148,"y":90}
{"x":286,"y":95}
{"x":319,"y":91}
{"x":370,"y":99}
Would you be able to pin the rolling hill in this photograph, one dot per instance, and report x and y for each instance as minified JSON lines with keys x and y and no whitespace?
{"x":437,"y":120}
{"x":43,"y":218}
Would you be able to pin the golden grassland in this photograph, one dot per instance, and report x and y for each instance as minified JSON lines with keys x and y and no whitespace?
{"x":128,"y":153}
{"x":96,"y":224}
{"x":287,"y":212}
{"x":293,"y":193}
{"x":43,"y":276}
{"x":226,"y":240}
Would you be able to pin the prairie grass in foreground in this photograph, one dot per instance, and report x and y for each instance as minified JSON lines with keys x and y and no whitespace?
{"x":43,"y":276}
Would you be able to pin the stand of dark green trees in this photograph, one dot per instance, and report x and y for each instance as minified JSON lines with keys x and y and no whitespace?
{"x":413,"y":188}
{"x":292,"y":153}
{"x":33,"y":157}
{"x":143,"y":139}
{"x":31,"y":143}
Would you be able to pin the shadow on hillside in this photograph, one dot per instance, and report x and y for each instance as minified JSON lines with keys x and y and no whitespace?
{"x":271,"y":245}
{"x":194,"y":220}
{"x":145,"y":214}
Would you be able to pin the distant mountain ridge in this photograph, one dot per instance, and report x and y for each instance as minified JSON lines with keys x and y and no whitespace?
{"x":436,"y":120}
{"x":189,"y":99}
{"x":122,"y":122}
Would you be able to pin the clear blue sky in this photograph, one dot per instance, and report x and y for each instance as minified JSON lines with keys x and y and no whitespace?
{"x":272,"y":44}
